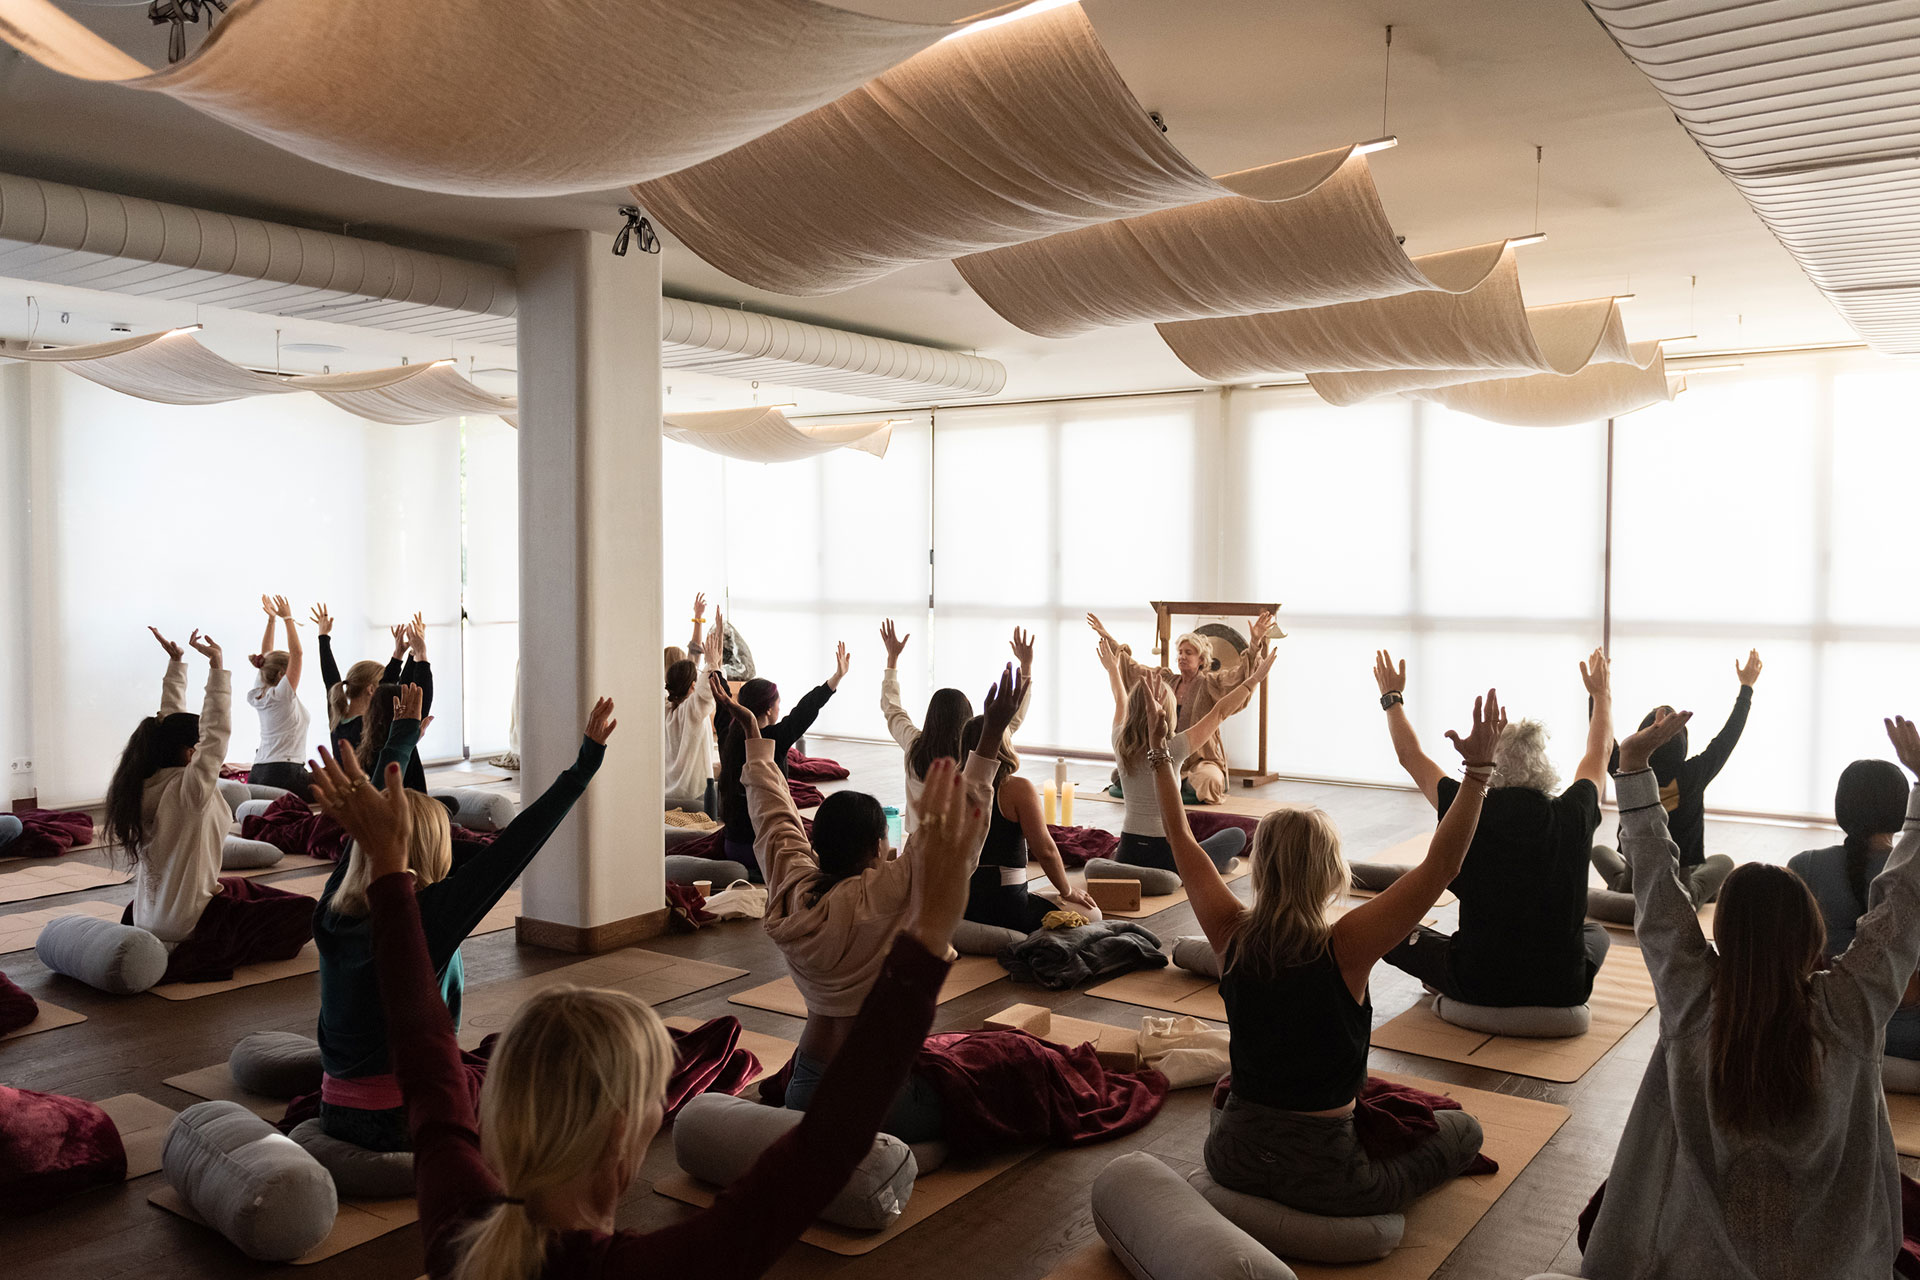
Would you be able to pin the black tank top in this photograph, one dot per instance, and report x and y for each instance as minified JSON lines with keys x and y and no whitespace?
{"x":1300,"y":1039}
{"x":1006,"y":844}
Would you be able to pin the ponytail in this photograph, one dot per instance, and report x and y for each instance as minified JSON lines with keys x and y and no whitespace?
{"x":361,"y":676}
{"x":1857,"y":855}
{"x":503,"y":1244}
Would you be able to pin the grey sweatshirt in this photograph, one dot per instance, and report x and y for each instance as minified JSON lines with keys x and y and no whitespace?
{"x":1814,"y":1195}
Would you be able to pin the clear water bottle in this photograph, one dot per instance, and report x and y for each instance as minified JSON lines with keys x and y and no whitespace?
{"x":896,"y":827}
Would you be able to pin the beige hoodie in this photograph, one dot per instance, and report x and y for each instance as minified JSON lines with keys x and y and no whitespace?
{"x":184,"y":821}
{"x":836,"y":947}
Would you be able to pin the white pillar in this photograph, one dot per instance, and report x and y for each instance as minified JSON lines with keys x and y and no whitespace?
{"x":590,"y":583}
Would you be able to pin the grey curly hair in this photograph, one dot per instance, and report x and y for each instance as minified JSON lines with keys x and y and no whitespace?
{"x":1521,"y":758}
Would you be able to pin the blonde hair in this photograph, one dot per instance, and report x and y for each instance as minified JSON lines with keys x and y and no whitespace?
{"x":1198,"y":641}
{"x":577,"y":1068}
{"x":1298,"y":872}
{"x":362,"y":676}
{"x":674,"y":653}
{"x":1520,"y":758}
{"x":1130,"y":745}
{"x":429,"y":856}
{"x":274,"y":666}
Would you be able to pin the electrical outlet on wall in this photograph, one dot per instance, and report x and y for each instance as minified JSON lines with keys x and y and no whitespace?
{"x":22,"y":765}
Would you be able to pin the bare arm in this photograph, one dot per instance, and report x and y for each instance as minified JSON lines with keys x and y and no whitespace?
{"x":1214,"y":904}
{"x":1377,"y":925}
{"x":699,"y":621}
{"x":295,"y":658}
{"x":1025,"y":799}
{"x":1406,"y":743}
{"x":1598,"y":678}
{"x":1110,"y":659}
{"x":173,"y":685}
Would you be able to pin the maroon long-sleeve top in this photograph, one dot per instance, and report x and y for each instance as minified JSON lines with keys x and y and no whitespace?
{"x":752,"y":1222}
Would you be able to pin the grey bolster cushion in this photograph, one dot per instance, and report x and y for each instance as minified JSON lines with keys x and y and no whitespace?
{"x":1309,"y":1237}
{"x":251,"y":809}
{"x":480,"y":810}
{"x":1162,"y":1229}
{"x":248,"y":1181}
{"x":240,"y":854}
{"x":1374,"y":876}
{"x":972,"y":938}
{"x":105,"y":954}
{"x":717,"y":1138}
{"x":682,"y":869}
{"x":356,"y":1171}
{"x":1899,"y":1075}
{"x":1155,"y":882}
{"x":1196,"y":955}
{"x":1610,"y":905}
{"x":1540,"y":1022}
{"x":276,"y":1064}
{"x":234,"y":793}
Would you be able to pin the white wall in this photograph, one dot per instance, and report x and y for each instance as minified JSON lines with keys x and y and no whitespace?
{"x":16,"y":731}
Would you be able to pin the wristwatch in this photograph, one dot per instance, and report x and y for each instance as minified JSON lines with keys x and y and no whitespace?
{"x":1390,"y":700}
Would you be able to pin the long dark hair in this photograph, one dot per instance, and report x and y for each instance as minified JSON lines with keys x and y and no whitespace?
{"x":1009,"y":758}
{"x":849,"y":831}
{"x":680,"y":678}
{"x":374,"y":727}
{"x":1871,"y":800}
{"x":948,"y":711}
{"x":157,"y":743}
{"x":1765,"y":1058}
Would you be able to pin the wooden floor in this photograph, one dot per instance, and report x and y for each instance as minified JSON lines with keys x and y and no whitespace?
{"x":1016,"y":1227}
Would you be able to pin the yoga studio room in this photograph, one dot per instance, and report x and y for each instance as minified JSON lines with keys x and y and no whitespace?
{"x":884,"y":640}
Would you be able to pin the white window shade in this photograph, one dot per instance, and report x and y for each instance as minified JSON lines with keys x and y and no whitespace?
{"x":490,"y":468}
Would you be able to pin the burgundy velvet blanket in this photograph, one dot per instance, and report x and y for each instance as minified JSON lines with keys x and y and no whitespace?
{"x":49,"y":833}
{"x":1080,"y":845}
{"x":814,"y":768}
{"x":708,"y":1059}
{"x":245,"y":923}
{"x":1002,"y":1089}
{"x":805,"y":794}
{"x":51,"y":1147}
{"x":1206,"y":822}
{"x":17,"y":1008}
{"x":234,"y":773}
{"x":291,"y":826}
{"x":1391,"y":1118}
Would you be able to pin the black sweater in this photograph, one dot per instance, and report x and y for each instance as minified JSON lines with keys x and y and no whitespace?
{"x":733,"y":758}
{"x":1683,"y":781}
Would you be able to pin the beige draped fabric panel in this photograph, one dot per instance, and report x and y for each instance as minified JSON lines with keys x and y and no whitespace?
{"x":765,"y":435}
{"x":1551,"y":400}
{"x":501,"y":97}
{"x":174,"y":368}
{"x":996,"y":137}
{"x":1226,"y":257}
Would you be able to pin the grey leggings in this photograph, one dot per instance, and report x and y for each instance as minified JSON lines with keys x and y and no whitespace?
{"x":1316,"y":1164}
{"x":1703,"y":882}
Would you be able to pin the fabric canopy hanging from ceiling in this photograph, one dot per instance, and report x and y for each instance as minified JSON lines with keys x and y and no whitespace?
{"x":1597,"y":392}
{"x":1810,"y":108}
{"x":1226,"y":257}
{"x":999,"y":136}
{"x":520,"y":98}
{"x":174,"y":368}
{"x":765,"y":435}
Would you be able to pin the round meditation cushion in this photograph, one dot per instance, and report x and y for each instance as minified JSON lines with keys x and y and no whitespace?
{"x":105,"y":954}
{"x":357,"y":1172}
{"x":682,"y":869}
{"x":1374,"y":876}
{"x":717,"y":1137}
{"x":1540,"y":1022}
{"x":276,"y":1064}
{"x":1308,"y":1237}
{"x":234,"y":793}
{"x":1196,"y":955}
{"x":251,"y":809}
{"x":248,"y":1181}
{"x":1162,"y":1229}
{"x":972,"y":938}
{"x":479,"y":810}
{"x":240,"y":854}
{"x":1154,"y":881}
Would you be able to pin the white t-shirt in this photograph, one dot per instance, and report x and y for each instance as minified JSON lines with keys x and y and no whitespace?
{"x":283,"y":723}
{"x":1138,"y":792}
{"x":689,"y":759}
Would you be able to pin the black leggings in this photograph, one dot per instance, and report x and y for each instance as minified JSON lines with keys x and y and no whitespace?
{"x":1006,"y":906}
{"x":1222,"y":847}
{"x":1428,"y":955}
{"x":284,"y":774}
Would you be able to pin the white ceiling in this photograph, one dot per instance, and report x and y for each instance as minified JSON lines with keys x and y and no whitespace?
{"x":1628,"y":203}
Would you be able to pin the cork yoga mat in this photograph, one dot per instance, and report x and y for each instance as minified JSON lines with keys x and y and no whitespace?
{"x":358,"y":1222}
{"x":1622,"y":996}
{"x":1150,"y":904}
{"x":247,"y":975}
{"x":215,"y":1083}
{"x":44,"y":880}
{"x":20,"y":932}
{"x":52,"y":1016}
{"x":969,"y":973}
{"x":143,"y":1125}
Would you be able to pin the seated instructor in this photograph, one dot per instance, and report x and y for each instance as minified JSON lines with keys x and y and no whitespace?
{"x":1524,"y":938}
{"x":1203,"y":776}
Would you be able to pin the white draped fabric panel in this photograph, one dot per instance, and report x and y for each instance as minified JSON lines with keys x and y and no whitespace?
{"x":530,"y":98}
{"x":765,"y":435}
{"x":999,"y":136}
{"x":1810,"y":108}
{"x":1226,"y":257}
{"x":174,"y":368}
{"x":1597,"y":392}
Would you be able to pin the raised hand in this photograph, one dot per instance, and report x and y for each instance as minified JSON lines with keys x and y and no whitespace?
{"x":407,"y":705}
{"x":322,"y":620}
{"x":1639,"y":747}
{"x":1022,"y":645}
{"x":895,"y":642}
{"x":380,"y":820}
{"x":206,"y":646}
{"x":417,"y":638}
{"x":1489,"y":720}
{"x":1906,"y":742}
{"x":1002,"y":701}
{"x":711,"y":643}
{"x":723,"y":698}
{"x":1749,"y":671}
{"x":1596,"y":675}
{"x":399,"y":630}
{"x":841,"y":661}
{"x":1262,"y":628}
{"x":944,"y":845}
{"x":281,"y":609}
{"x":174,"y":651}
{"x":1261,"y":668}
{"x":600,"y":721}
{"x":699,"y":605}
{"x":1109,"y":656}
{"x":1153,"y":687}
{"x":1391,"y":679}
{"x":1099,"y":629}
{"x":267,"y":607}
